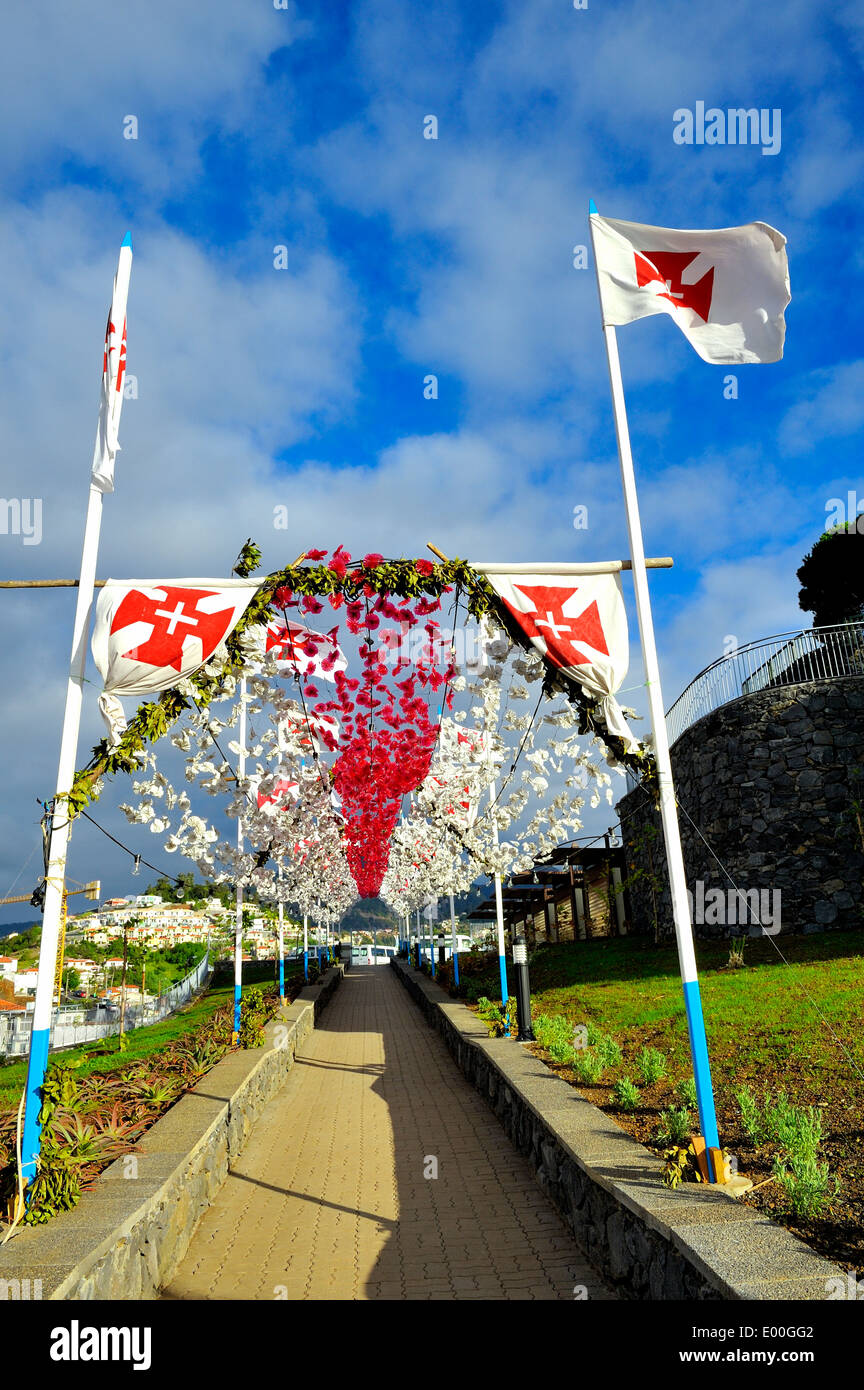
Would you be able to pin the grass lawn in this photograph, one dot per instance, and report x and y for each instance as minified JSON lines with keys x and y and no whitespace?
{"x":142,"y":1042}
{"x":772,"y":1026}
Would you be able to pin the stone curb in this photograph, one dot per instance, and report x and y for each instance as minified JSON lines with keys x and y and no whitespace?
{"x":652,"y":1243}
{"x":127,"y":1236}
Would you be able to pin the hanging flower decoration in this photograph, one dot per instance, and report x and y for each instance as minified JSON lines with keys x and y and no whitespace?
{"x":353,"y":747}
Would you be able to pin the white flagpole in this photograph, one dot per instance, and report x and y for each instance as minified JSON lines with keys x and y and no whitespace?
{"x":668,"y":810}
{"x":499,"y":917}
{"x":453,"y":950}
{"x":238,"y":921}
{"x":281,"y":937}
{"x":58,"y":843}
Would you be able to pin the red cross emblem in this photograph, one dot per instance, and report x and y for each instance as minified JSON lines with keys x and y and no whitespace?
{"x":666,"y":268}
{"x":172,"y":619}
{"x":282,"y":791}
{"x":110,"y":347}
{"x":560,"y":632}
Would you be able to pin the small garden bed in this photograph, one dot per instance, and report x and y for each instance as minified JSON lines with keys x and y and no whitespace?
{"x":98,"y":1100}
{"x":785,"y":1047}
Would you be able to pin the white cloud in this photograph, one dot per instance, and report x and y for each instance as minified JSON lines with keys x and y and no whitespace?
{"x":830,"y":406}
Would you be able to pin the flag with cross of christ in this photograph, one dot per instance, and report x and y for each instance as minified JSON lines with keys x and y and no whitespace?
{"x":579,"y":625}
{"x":149,"y":635}
{"x":726,"y":290}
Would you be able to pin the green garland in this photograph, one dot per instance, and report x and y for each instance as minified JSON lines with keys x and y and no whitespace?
{"x":401,"y":578}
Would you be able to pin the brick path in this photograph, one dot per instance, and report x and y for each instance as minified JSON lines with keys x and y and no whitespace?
{"x":329,"y":1200}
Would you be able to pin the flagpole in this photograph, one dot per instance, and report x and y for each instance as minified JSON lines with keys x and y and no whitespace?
{"x":453,"y":950}
{"x":238,"y":922}
{"x":668,"y":810}
{"x":499,"y":916}
{"x":58,"y":843}
{"x":281,"y":938}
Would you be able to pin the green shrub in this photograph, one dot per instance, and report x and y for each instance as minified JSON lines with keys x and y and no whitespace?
{"x":608,"y":1050}
{"x":553,"y":1030}
{"x":796,"y":1130}
{"x":675,"y":1126}
{"x":587,"y":1066}
{"x":751,"y":1115}
{"x":625,"y":1094}
{"x":651,"y":1065}
{"x":806,"y":1185}
{"x":686,"y":1092}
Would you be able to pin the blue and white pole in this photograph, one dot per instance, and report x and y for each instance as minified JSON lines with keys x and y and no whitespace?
{"x":453,"y":951}
{"x":499,"y":916}
{"x":58,"y":844}
{"x":306,"y":946}
{"x":281,"y":942}
{"x":238,"y":920}
{"x":668,"y":811}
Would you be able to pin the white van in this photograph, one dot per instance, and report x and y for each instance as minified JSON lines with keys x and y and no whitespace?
{"x":372,"y":955}
{"x":463,"y":943}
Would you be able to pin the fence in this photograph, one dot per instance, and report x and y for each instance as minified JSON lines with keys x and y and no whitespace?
{"x":72,"y":1026}
{"x":812,"y":654}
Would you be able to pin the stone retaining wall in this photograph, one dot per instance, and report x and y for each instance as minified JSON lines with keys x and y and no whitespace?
{"x":652,"y":1243}
{"x":126,"y":1237}
{"x":769,"y":781}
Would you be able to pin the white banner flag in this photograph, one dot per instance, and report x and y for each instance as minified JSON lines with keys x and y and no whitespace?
{"x":150,"y":635}
{"x":299,"y":651}
{"x":579,"y":625}
{"x":113,"y":374}
{"x":726,"y":289}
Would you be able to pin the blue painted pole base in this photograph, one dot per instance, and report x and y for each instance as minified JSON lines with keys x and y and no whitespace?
{"x":701,"y":1065}
{"x":32,"y":1132}
{"x":238,"y":989}
{"x":505,"y":993}
{"x":306,"y":965}
{"x":456,"y":968}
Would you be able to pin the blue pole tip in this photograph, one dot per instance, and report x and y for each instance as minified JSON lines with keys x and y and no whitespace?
{"x":127,"y":241}
{"x":592,"y":208}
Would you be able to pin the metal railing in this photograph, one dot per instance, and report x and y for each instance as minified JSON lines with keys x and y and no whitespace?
{"x":811,"y":654}
{"x":71,"y":1026}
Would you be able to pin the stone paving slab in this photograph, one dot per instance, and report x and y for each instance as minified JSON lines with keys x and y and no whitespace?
{"x":329,"y":1201}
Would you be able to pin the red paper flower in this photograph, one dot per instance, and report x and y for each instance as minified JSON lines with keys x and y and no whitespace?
{"x":424,"y":567}
{"x":372,"y":561}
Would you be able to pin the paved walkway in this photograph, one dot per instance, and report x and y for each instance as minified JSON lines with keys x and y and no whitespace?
{"x":329,"y":1199}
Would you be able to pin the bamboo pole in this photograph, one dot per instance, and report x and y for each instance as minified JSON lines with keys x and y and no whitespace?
{"x":657,"y":562}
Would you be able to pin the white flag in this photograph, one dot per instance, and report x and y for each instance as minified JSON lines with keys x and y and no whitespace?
{"x":113,"y":373}
{"x":150,"y":635}
{"x":579,"y":624}
{"x":299,"y":651}
{"x":725,"y":289}
{"x":275,"y":793}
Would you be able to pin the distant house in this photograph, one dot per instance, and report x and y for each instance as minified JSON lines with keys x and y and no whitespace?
{"x":8,"y":966}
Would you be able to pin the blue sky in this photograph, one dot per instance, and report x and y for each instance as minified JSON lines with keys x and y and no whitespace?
{"x":258,"y":387}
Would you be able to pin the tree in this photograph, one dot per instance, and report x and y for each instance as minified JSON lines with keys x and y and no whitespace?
{"x":832,"y":577}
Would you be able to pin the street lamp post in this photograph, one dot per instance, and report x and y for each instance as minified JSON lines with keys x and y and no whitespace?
{"x":523,"y":991}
